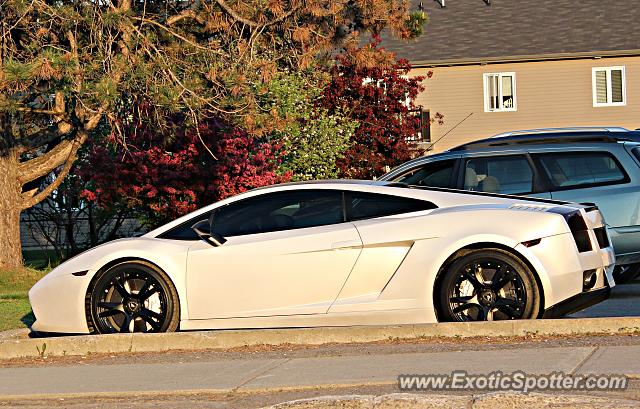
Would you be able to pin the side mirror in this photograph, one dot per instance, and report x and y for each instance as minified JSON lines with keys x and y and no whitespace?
{"x":203,"y":231}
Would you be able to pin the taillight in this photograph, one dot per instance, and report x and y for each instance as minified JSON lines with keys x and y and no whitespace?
{"x":578,"y":228}
{"x":601,"y":235}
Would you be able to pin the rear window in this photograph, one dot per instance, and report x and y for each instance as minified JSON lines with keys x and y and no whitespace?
{"x":581,"y":169}
{"x":636,"y":153}
{"x":371,"y":205}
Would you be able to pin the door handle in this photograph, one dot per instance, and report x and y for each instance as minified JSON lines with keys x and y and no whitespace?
{"x":345,"y":244}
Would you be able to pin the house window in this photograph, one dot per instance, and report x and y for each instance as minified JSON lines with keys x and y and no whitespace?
{"x":608,"y":86}
{"x":500,"y":92}
{"x":424,"y":130}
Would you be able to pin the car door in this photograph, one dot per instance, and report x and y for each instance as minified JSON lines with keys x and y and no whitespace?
{"x":384,"y":248}
{"x":286,"y":253}
{"x":512,"y":174}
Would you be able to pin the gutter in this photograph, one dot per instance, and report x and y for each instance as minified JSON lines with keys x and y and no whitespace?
{"x":523,"y":58}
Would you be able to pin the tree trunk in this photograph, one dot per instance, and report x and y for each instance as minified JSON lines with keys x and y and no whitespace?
{"x":10,"y":208}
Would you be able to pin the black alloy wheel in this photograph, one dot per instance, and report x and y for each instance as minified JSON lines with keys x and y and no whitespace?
{"x":488,"y":285}
{"x":133,"y":297}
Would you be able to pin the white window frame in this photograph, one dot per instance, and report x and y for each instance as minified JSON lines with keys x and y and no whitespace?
{"x":485,"y":81}
{"x":609,"y":87}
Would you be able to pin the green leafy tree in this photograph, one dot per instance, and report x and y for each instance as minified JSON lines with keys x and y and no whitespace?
{"x":67,"y":67}
{"x":313,"y":138}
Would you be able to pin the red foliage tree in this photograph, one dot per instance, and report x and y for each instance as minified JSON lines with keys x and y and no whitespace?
{"x":373,"y":88}
{"x":165,"y":179}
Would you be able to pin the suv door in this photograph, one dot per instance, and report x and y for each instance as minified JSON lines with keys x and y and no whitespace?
{"x":512,"y":174}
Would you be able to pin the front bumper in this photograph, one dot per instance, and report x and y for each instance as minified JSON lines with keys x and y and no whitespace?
{"x":58,"y":304}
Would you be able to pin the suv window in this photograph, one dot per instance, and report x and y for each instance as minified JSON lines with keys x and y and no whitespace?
{"x":370,"y":205}
{"x":581,"y":169}
{"x":436,"y":174}
{"x":499,"y":174}
{"x":279,"y":211}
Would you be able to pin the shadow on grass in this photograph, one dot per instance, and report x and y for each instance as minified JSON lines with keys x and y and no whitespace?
{"x":28,"y":319}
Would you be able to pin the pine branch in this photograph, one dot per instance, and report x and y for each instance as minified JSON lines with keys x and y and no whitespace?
{"x":68,"y":163}
{"x":43,"y":165}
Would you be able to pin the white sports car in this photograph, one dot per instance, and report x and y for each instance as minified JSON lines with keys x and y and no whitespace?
{"x":336,"y":253}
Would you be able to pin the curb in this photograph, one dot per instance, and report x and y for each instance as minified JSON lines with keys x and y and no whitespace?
{"x":226,"y":339}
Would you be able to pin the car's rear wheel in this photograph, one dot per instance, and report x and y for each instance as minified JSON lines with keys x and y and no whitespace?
{"x":624,"y":274}
{"x":487,"y":285}
{"x":133,"y":297}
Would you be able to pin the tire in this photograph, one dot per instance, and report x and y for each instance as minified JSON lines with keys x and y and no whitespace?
{"x":486,"y":285}
{"x":624,"y":274}
{"x":133,"y":297}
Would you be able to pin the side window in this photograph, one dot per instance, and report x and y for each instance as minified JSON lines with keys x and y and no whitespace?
{"x":370,"y":205}
{"x":499,"y":174}
{"x":581,"y":169}
{"x":183,"y":231}
{"x":435,"y":174}
{"x":279,"y":211}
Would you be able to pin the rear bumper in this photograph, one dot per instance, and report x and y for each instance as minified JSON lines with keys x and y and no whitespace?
{"x":578,"y":302}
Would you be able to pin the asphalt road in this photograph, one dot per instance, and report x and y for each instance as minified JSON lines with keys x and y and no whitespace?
{"x":253,"y":378}
{"x":624,"y":302}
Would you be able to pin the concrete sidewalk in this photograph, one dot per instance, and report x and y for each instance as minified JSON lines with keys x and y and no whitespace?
{"x":265,"y":374}
{"x":12,"y":347}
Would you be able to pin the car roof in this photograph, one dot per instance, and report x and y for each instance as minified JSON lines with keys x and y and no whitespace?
{"x":371,"y":186}
{"x":554,"y":136}
{"x":532,"y":139}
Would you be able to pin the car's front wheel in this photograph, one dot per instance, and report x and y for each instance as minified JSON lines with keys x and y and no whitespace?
{"x":487,"y":285}
{"x":133,"y":297}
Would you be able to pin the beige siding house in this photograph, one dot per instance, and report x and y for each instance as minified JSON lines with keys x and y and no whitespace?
{"x":521,"y":64}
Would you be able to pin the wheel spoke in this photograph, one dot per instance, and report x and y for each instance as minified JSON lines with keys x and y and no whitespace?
{"x":509,"y":302}
{"x":120,"y":289}
{"x":482,"y":313}
{"x":144,"y":288}
{"x":489,"y":314}
{"x":473,"y":279}
{"x":464,"y":307}
{"x":152,"y":314}
{"x":500,"y":278}
{"x":147,"y":291}
{"x":508,"y":306}
{"x":126,"y":324}
{"x":113,"y":308}
{"x":109,"y":313}
{"x":148,"y":316}
{"x":461,"y":300}
{"x":110,"y":305}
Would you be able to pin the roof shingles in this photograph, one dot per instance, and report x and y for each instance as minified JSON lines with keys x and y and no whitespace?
{"x":470,"y":30}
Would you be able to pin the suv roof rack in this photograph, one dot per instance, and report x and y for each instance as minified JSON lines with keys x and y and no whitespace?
{"x":565,"y":129}
{"x":557,"y":135}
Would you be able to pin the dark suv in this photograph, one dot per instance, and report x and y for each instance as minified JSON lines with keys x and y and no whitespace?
{"x":592,"y":165}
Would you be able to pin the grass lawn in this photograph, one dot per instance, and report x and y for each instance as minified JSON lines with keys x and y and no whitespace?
{"x":15,"y":311}
{"x":40,"y":259}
